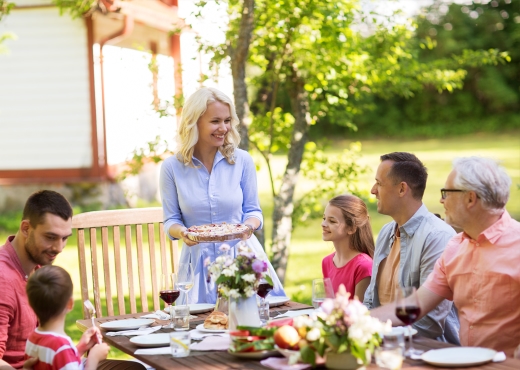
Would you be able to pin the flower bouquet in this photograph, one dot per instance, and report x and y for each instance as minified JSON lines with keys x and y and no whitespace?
{"x":237,"y":277}
{"x":343,"y":327}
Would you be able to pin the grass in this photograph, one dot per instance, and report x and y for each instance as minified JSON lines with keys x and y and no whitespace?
{"x":307,"y":249}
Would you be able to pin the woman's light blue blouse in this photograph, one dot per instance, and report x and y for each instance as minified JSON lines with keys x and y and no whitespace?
{"x":193,"y":196}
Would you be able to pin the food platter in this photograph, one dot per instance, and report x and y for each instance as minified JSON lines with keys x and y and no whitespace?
{"x":211,"y":233}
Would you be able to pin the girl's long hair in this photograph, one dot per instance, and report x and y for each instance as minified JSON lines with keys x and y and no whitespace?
{"x":188,"y":133}
{"x":356,"y":217}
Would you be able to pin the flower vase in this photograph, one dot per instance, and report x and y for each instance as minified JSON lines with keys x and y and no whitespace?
{"x":243,"y":311}
{"x":344,"y":361}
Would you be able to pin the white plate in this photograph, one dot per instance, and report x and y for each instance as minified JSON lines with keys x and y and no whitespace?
{"x":276,"y":301}
{"x":127,"y":324}
{"x":151,"y":340}
{"x":458,"y":356}
{"x":256,"y":355}
{"x":201,"y":328}
{"x":403,"y":329}
{"x":197,"y":307}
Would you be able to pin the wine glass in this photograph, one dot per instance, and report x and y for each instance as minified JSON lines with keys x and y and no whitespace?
{"x":407,"y":310}
{"x":169,"y":295}
{"x":264,"y":288}
{"x":184,"y":279}
{"x":321,"y":289}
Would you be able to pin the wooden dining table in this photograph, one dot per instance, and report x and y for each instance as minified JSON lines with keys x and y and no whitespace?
{"x":214,"y":360}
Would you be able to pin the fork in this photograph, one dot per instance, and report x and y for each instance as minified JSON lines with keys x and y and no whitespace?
{"x":92,"y":311}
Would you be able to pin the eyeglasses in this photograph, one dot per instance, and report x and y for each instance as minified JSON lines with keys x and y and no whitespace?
{"x":444,"y":191}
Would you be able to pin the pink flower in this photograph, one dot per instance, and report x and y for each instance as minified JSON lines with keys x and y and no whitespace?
{"x":327,"y":306}
{"x":259,"y":266}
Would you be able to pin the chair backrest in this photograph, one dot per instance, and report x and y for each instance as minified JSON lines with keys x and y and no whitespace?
{"x":118,"y":278}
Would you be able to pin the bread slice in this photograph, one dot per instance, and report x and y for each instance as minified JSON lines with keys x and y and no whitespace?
{"x":216,"y":320}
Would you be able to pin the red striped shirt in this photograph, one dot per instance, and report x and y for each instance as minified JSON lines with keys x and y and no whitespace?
{"x":55,"y":351}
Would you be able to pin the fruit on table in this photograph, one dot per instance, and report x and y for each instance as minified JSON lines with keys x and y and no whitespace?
{"x":286,"y":337}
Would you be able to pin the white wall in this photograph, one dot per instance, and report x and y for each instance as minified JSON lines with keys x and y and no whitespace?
{"x":44,"y":92}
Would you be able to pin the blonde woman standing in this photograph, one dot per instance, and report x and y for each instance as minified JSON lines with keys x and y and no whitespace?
{"x":210,"y":180}
{"x":346,"y":224}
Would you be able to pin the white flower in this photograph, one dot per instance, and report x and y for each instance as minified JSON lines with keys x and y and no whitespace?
{"x":250,"y":278}
{"x":224,"y":290}
{"x":228,"y":272}
{"x":233,"y":293}
{"x":207,"y":261}
{"x":249,"y":291}
{"x":313,"y":334}
{"x":221,"y":260}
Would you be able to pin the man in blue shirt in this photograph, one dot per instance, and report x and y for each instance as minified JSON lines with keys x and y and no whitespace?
{"x":408,"y":247}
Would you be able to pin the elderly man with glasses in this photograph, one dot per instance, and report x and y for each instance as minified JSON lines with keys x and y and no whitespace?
{"x":479,"y":269}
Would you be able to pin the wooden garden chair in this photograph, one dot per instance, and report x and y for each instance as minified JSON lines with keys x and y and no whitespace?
{"x":112,"y":275}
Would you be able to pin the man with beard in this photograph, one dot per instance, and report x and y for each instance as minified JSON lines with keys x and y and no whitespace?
{"x":46,"y":225}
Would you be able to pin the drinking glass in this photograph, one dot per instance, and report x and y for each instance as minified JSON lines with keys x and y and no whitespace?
{"x":321,"y":289}
{"x":264,"y":288}
{"x":168,"y":294}
{"x":263,"y":311}
{"x":389,"y":357}
{"x":180,"y":343}
{"x":394,"y":339}
{"x":181,"y":318}
{"x":184,"y":280}
{"x":407,"y":310}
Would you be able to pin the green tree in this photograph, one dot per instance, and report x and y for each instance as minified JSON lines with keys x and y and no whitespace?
{"x":490,"y":98}
{"x":312,"y":64}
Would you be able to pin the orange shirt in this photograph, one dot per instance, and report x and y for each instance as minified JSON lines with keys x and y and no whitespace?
{"x":387,"y":279}
{"x":482,"y":277}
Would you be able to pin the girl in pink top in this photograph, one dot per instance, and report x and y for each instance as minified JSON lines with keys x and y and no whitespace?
{"x":346,"y":224}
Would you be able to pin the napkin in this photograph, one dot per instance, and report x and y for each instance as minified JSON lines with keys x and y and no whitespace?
{"x":199,"y":335}
{"x":213,"y":343}
{"x":499,"y":357}
{"x":161,"y":315}
{"x":308,"y":311}
{"x":281,"y":363}
{"x":141,"y":331}
{"x":154,"y":351}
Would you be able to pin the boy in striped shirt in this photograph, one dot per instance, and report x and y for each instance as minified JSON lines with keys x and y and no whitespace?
{"x":49,"y":291}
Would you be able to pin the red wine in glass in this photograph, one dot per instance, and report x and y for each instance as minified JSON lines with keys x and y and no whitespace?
{"x":264,"y":289}
{"x":408,"y":310}
{"x":169,"y":296}
{"x":408,"y":314}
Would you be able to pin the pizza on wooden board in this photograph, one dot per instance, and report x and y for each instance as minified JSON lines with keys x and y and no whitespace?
{"x":219,"y":232}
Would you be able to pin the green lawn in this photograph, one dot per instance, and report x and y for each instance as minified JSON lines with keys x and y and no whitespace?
{"x":307,"y":249}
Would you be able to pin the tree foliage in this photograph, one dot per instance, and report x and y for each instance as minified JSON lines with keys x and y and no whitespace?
{"x":490,"y":97}
{"x":312,"y":64}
